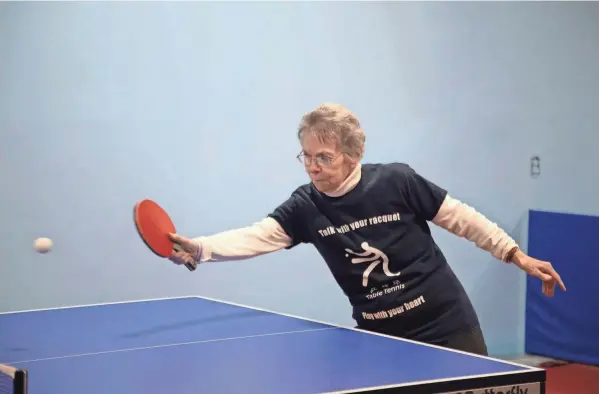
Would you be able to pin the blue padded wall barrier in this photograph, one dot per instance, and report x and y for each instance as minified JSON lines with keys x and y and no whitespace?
{"x":566,"y":326}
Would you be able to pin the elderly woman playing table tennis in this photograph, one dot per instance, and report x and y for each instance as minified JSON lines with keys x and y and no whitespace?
{"x":369,"y":222}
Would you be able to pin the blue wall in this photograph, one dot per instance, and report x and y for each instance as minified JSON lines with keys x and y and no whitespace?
{"x":195,"y":105}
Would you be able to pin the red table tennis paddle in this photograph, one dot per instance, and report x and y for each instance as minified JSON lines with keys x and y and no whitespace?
{"x":153,"y":225}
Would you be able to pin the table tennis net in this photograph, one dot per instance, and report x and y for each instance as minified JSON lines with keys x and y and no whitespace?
{"x":12,"y":380}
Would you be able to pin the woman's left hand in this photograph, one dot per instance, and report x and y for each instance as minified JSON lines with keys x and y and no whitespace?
{"x":540,"y":269}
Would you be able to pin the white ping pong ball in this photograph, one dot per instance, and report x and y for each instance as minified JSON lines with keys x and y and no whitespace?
{"x":43,"y":245}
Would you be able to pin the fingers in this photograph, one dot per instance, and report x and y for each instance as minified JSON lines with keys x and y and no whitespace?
{"x":177,"y":238}
{"x":543,"y":276}
{"x":553,"y":275}
{"x":559,"y":280}
{"x":185,"y":243}
{"x":179,"y":256}
{"x":549,"y":288}
{"x":550,"y":277}
{"x":184,"y":250}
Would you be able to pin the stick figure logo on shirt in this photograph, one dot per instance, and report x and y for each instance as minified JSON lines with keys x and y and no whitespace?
{"x":375,"y":257}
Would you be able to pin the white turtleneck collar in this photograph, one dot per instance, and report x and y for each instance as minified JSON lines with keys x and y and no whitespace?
{"x":348,"y":184}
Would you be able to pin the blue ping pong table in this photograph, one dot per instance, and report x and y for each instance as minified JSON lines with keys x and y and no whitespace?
{"x":200,"y":345}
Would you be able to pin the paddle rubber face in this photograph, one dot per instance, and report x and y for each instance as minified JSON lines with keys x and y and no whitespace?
{"x":154,"y":225}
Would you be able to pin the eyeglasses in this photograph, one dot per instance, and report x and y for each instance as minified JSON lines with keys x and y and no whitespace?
{"x":321,"y":159}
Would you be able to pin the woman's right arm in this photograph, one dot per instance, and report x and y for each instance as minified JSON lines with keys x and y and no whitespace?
{"x":282,"y":229}
{"x":243,"y":243}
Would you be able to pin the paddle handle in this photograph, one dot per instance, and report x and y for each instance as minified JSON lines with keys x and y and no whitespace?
{"x":190,"y":266}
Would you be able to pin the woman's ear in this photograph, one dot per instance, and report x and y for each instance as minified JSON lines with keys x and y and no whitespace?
{"x":353,"y":162}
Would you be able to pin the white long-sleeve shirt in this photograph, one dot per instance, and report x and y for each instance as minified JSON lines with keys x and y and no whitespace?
{"x":267,"y":236}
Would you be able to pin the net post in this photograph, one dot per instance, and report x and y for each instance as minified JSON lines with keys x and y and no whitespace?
{"x":20,"y":382}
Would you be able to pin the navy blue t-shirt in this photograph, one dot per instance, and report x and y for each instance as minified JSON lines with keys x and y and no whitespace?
{"x":377,"y":243}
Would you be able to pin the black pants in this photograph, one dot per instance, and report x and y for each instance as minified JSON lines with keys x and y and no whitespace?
{"x":469,"y":340}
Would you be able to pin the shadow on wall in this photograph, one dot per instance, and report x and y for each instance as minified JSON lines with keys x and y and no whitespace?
{"x":502,"y":287}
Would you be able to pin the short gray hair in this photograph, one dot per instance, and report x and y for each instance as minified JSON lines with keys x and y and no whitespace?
{"x":334,"y":123}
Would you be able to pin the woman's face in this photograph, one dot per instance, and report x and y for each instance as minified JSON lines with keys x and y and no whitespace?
{"x":324,"y":163}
